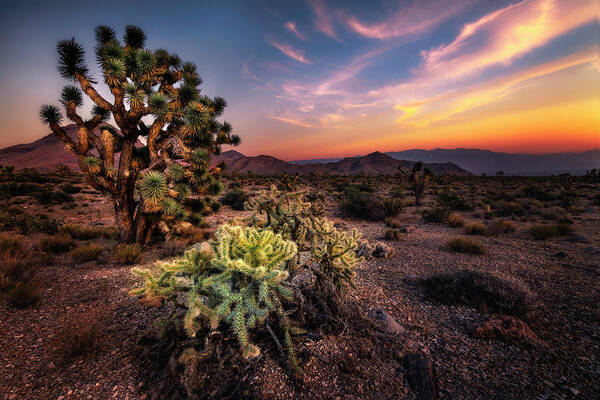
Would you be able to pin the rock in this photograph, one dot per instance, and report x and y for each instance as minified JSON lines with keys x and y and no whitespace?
{"x":593,"y":250}
{"x":382,"y":250}
{"x":578,"y":239}
{"x":384,"y":321}
{"x":507,"y":327}
{"x":420,"y":374}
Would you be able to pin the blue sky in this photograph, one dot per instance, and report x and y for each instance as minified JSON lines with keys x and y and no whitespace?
{"x":321,"y":78}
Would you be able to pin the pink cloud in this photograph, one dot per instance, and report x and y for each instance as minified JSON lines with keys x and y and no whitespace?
{"x":409,"y":20}
{"x":291,"y":26}
{"x":323,"y":21}
{"x":291,"y":52}
{"x":508,"y":33}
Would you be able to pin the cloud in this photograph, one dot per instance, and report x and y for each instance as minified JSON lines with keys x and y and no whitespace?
{"x":292,"y":121}
{"x":291,"y":26}
{"x":323,"y":21}
{"x":411,"y":20}
{"x":507,"y":34}
{"x":291,"y":52}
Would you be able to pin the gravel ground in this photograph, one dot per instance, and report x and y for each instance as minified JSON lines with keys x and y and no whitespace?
{"x":564,"y":275}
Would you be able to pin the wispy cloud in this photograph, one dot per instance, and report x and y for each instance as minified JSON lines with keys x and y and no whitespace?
{"x":507,"y":34}
{"x":291,"y":26}
{"x":411,"y":20}
{"x":289,"y":51}
{"x":323,"y":20}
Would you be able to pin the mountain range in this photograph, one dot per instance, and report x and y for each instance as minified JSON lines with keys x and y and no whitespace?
{"x":46,"y":153}
{"x":484,"y":161}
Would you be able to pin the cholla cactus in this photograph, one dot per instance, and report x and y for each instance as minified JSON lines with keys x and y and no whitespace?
{"x":239,"y":279}
{"x":300,"y":221}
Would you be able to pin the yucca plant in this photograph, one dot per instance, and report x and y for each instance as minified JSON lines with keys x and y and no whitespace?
{"x":239,"y":279}
{"x":157,"y":99}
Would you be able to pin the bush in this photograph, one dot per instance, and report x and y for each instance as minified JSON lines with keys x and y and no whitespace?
{"x":453,"y":201}
{"x":543,"y":232}
{"x":366,"y":204}
{"x":465,"y":245}
{"x":392,"y":234}
{"x":82,"y":232}
{"x":435,"y":215}
{"x":23,"y":294}
{"x":198,"y":220}
{"x":502,"y":226}
{"x":85,"y":253}
{"x":80,"y":331}
{"x":70,"y":189}
{"x":128,"y":253}
{"x":59,"y":243}
{"x":455,"y":220}
{"x":474,"y":228}
{"x":30,"y":223}
{"x":195,"y":204}
{"x":235,"y":198}
{"x":483,"y":291}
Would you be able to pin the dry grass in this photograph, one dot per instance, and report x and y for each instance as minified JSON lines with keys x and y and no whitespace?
{"x":547,"y":231}
{"x":474,"y":228}
{"x":85,"y":253}
{"x":455,"y":220}
{"x":80,"y":331}
{"x":128,"y":253}
{"x":465,"y":245}
{"x":58,"y":243}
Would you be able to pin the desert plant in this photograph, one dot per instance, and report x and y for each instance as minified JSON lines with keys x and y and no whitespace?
{"x":456,"y":220}
{"x":239,"y":280}
{"x":419,"y":177}
{"x":23,"y":294}
{"x":435,"y":215}
{"x":59,"y":243}
{"x":474,"y":228}
{"x":489,"y":293}
{"x":156,"y":97}
{"x":543,"y":232}
{"x":79,"y":331}
{"x":502,"y":226}
{"x":453,"y":201}
{"x":361,"y":202}
{"x":235,"y":198}
{"x":86,"y":252}
{"x":465,"y":245}
{"x":128,"y":253}
{"x":392,"y":234}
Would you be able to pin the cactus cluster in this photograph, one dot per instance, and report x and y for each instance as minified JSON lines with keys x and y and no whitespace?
{"x":238,"y":279}
{"x":289,"y":214}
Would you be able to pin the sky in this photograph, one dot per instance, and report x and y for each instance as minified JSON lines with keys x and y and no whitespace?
{"x":316,"y":79}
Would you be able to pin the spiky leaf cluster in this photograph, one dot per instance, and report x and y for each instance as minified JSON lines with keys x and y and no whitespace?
{"x":157,"y":99}
{"x":238,"y":280}
{"x":301,"y":221}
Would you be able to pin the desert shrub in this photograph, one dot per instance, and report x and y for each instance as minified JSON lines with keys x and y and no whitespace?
{"x":23,"y":294}
{"x":59,"y":243}
{"x":110,"y":232}
{"x":509,"y":208}
{"x":195,"y":204}
{"x":235,"y":198}
{"x":474,"y":228}
{"x":12,"y":189}
{"x":215,"y":206}
{"x":483,"y":291}
{"x":128,"y":253}
{"x":435,"y":215}
{"x":502,"y":226}
{"x":82,"y":232}
{"x":48,"y":196}
{"x":455,"y":220}
{"x":79,"y":331}
{"x":465,"y":245}
{"x":86,"y":252}
{"x":453,"y":201}
{"x":392,"y":234}
{"x":367,"y":205}
{"x":70,"y":189}
{"x":394,"y":223}
{"x":10,"y":246}
{"x":15,"y":264}
{"x":596,"y":200}
{"x":547,"y":231}
{"x":537,"y":193}
{"x":197,"y":219}
{"x":173,"y":247}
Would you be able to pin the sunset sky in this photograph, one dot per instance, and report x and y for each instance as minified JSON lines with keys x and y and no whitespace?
{"x":315,"y":78}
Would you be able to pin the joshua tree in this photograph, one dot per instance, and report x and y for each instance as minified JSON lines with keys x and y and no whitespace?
{"x":419,"y":178}
{"x":156,"y":99}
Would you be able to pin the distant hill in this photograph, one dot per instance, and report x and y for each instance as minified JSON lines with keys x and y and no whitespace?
{"x":43,"y":154}
{"x":478,"y":161}
{"x":371,"y":164}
